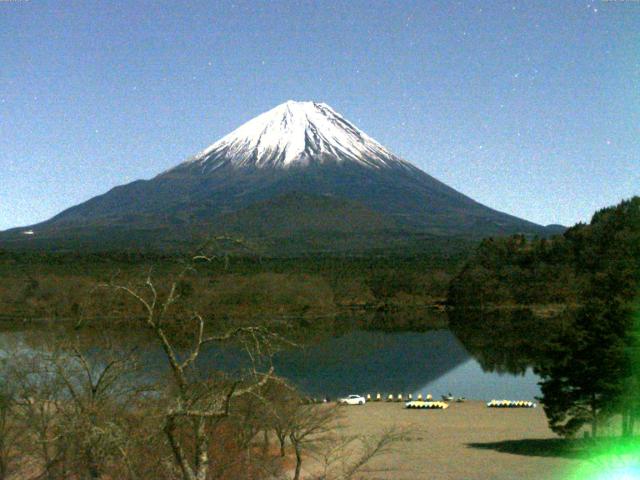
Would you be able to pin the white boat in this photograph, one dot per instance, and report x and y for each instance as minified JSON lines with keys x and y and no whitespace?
{"x":511,"y":404}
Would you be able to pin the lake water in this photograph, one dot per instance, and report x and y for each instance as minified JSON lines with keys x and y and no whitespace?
{"x":370,"y":362}
{"x":401,"y":362}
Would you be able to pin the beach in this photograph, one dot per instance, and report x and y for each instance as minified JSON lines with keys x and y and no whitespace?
{"x":465,"y":441}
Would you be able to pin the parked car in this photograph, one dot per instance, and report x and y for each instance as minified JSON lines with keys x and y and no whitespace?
{"x":352,"y":400}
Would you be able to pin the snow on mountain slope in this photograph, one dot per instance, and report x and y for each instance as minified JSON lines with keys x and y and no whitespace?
{"x":296,"y":133}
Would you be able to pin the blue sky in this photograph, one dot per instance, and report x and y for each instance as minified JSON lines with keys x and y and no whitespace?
{"x":530,"y":107}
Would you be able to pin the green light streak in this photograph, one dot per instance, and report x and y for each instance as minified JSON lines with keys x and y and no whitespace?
{"x":615,"y":458}
{"x":615,"y":462}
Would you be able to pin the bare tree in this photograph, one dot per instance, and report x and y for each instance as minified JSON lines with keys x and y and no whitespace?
{"x":73,"y":407}
{"x":37,"y":395}
{"x":100,"y":389}
{"x":310,"y":426}
{"x":314,"y":432}
{"x":196,"y":405}
{"x":10,"y":434}
{"x":282,"y":402}
{"x":350,"y":457}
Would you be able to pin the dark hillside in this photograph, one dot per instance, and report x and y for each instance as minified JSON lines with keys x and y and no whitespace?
{"x":518,"y":271}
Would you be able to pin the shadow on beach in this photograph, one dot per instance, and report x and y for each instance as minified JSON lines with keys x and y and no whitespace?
{"x":537,"y":447}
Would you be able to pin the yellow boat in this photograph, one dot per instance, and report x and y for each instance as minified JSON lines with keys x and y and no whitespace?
{"x":427,"y":405}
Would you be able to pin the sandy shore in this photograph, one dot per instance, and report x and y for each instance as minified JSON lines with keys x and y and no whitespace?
{"x":466,"y":441}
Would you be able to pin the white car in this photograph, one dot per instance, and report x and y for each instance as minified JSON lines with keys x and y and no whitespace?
{"x":352,"y":400}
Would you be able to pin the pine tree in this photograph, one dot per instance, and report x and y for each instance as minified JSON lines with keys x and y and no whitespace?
{"x":582,"y":378}
{"x":593,"y":371}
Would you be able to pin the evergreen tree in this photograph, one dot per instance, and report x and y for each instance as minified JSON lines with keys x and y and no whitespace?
{"x":582,"y":378}
{"x":593,"y":371}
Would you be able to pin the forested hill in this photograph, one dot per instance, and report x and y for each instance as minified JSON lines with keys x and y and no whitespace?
{"x":604,"y":254}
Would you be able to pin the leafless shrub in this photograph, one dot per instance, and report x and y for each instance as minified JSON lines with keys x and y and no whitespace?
{"x":350,"y":457}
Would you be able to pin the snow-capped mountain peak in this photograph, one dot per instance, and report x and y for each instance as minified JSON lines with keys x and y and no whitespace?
{"x":296,"y":133}
{"x":299,"y":178}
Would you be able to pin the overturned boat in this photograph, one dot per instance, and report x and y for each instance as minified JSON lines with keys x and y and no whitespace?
{"x":427,"y":405}
{"x":511,"y":404}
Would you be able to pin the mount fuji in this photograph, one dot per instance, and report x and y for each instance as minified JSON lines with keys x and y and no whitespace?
{"x":299,"y":175}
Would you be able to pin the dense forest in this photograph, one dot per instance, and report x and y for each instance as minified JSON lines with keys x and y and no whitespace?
{"x":63,"y":285}
{"x":515,"y":271}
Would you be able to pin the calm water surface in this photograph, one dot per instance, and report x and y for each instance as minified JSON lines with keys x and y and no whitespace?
{"x":369,"y":361}
{"x":403,"y":362}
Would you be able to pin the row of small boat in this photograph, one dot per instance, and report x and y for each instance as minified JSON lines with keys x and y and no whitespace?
{"x":432,"y":404}
{"x":491,"y":404}
{"x":427,"y":405}
{"x":511,"y":404}
{"x":401,"y":398}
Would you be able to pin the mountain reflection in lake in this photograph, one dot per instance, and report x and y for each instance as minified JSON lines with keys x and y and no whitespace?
{"x":403,"y":362}
{"x":370,"y":362}
{"x":480,"y":358}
